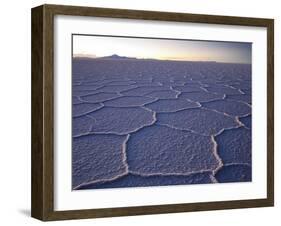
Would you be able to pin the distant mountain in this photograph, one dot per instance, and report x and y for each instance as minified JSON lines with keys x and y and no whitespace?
{"x":117,"y":57}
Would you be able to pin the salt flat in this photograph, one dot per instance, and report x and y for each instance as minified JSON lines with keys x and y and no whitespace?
{"x":152,"y":123}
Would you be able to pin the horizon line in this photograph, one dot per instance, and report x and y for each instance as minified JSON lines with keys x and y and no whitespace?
{"x":93,"y":56}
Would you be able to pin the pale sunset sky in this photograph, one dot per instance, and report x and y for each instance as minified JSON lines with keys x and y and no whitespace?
{"x":162,"y":49}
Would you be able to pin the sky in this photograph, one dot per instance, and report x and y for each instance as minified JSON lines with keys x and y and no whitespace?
{"x":162,"y":49}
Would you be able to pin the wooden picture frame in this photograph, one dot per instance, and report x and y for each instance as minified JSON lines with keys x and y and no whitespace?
{"x":43,"y":112}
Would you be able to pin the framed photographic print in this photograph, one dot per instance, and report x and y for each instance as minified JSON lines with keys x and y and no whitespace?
{"x":141,"y":112}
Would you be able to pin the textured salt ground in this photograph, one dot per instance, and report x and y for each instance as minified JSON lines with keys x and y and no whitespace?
{"x":131,"y":180}
{"x":172,"y":83}
{"x":246,"y":91}
{"x":222,"y":89}
{"x":143,"y":90}
{"x":121,"y":83}
{"x":129,"y":101}
{"x":234,"y":173}
{"x":201,"y":121}
{"x":84,"y":108}
{"x":233,"y":108}
{"x":247,"y":121}
{"x":147,"y":84}
{"x":163,"y":150}
{"x":188,"y":88}
{"x":201,"y":96}
{"x":241,"y":85}
{"x":171,"y":105}
{"x":116,"y":88}
{"x":76,"y":100}
{"x":81,"y":125}
{"x":122,"y":100}
{"x":234,"y":146}
{"x":165,"y":94}
{"x":80,"y":93}
{"x":120,"y":120}
{"x":99,"y":97}
{"x":86,"y":87}
{"x":240,"y":97}
{"x":97,"y":157}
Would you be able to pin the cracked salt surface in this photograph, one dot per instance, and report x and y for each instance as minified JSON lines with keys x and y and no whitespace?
{"x":97,"y":158}
{"x":222,"y":89}
{"x":76,"y":100}
{"x":84,"y":108}
{"x":143,"y":90}
{"x":153,"y":123}
{"x":116,"y":88}
{"x":234,"y":146}
{"x":247,"y":121}
{"x":234,"y":173}
{"x":86,"y":87}
{"x":201,"y":121}
{"x":132,"y":180}
{"x":241,"y":97}
{"x":202,"y":96}
{"x":99,"y":97}
{"x":165,"y":94}
{"x":171,"y":105}
{"x":233,"y":108}
{"x":188,"y":88}
{"x":128,"y":101}
{"x":81,"y":125}
{"x":158,"y":150}
{"x":121,"y":120}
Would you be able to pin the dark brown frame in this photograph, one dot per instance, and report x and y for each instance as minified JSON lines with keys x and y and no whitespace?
{"x":42,"y":203}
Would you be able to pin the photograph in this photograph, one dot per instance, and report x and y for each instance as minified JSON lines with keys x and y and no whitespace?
{"x":160,"y":111}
